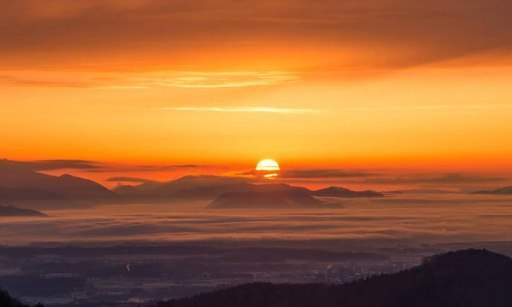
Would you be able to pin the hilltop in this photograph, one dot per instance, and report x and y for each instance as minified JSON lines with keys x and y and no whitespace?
{"x":469,"y":278}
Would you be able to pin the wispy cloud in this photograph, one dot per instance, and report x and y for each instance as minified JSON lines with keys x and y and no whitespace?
{"x":246,"y":109}
{"x":174,"y":79}
{"x":144,"y":168}
{"x":217,"y":79}
{"x":431,"y":107}
{"x":442,"y":179}
{"x":92,"y":166}
{"x":129,"y":179}
{"x":47,"y":165}
{"x":325,"y":173}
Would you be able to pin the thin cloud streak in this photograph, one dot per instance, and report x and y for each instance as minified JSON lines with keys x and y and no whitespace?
{"x":218,"y":79}
{"x":172,"y":79}
{"x":325,"y":173}
{"x":92,"y":166}
{"x":242,"y":110}
{"x":249,"y":109}
{"x":432,"y":107}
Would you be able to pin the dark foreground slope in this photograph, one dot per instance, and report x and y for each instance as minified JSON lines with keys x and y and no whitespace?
{"x":470,"y":278}
{"x":7,"y":301}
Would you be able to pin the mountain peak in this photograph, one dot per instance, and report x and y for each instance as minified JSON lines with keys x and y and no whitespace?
{"x":467,"y":260}
{"x":341,"y":192}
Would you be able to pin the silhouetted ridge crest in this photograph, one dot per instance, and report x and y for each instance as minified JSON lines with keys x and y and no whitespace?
{"x":18,"y":183}
{"x":467,"y":260}
{"x":469,"y":278}
{"x":345,"y":193}
{"x":202,"y":187}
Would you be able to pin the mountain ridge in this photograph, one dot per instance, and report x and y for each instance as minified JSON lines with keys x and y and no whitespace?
{"x":15,"y":211}
{"x":19,"y":183}
{"x":469,"y":278}
{"x":208,"y":187}
{"x":265,"y":200}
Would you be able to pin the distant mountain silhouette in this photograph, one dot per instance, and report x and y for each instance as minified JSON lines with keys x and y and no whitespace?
{"x":207,"y":187}
{"x":345,"y":193}
{"x":469,"y":278}
{"x":422,"y":191}
{"x":500,"y":191}
{"x":8,"y":195}
{"x":180,"y":186}
{"x":284,"y":195}
{"x":20,"y":183}
{"x":274,"y":199}
{"x":13,"y":211}
{"x":184,"y":188}
{"x":131,"y":192}
{"x":7,"y":301}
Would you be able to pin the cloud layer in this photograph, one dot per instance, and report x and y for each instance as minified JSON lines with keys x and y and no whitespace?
{"x":246,"y":109}
{"x":324,"y":173}
{"x":450,"y":219}
{"x":387,"y":33}
{"x":92,"y":166}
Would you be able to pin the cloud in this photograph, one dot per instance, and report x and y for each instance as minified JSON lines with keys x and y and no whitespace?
{"x":353,"y":33}
{"x":144,"y":80}
{"x":450,"y":178}
{"x":216,"y":79}
{"x":129,"y":179}
{"x":324,"y":173}
{"x":91,"y":166}
{"x":46,"y":165}
{"x":245,"y":109}
{"x":144,"y":168}
{"x":432,"y":107}
{"x":42,"y":80}
{"x":403,"y":219}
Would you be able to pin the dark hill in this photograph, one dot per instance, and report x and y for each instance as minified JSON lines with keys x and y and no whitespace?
{"x":7,"y":301}
{"x":273,"y":199}
{"x":469,"y":278}
{"x":21,"y":183}
{"x":208,"y":187}
{"x":200,"y":187}
{"x":13,"y":211}
{"x":27,"y":194}
{"x":76,"y":187}
{"x":345,"y":193}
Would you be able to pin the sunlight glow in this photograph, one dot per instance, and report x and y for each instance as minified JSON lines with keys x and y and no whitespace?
{"x":268,"y":169}
{"x":267,"y":165}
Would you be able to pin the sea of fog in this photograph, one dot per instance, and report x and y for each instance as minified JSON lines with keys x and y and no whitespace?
{"x":419,"y":218}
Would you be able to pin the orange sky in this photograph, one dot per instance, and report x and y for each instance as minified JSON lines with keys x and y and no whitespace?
{"x":403,"y":84}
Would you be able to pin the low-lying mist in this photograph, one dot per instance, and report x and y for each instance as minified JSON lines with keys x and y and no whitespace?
{"x":419,"y":218}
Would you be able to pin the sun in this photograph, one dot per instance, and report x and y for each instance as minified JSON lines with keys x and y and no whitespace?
{"x":267,"y":165}
{"x":268,"y":168}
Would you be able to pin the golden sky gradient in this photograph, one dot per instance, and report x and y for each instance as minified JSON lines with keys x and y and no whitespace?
{"x":404,"y":84}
